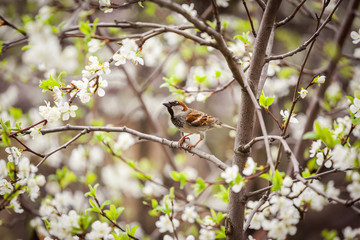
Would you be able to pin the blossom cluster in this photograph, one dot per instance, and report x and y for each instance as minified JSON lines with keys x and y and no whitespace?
{"x":92,"y":82}
{"x":282,"y":211}
{"x":18,"y":176}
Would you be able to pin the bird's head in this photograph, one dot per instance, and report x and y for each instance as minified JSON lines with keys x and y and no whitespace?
{"x":175,"y":107}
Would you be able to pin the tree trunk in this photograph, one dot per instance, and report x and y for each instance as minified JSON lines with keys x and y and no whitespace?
{"x":246,"y":120}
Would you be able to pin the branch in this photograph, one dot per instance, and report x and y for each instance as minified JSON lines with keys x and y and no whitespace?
{"x":298,"y":176}
{"x":252,"y":213}
{"x":221,"y":44}
{"x":330,"y":68}
{"x":7,"y":23}
{"x":250,"y":20}
{"x":140,"y":135}
{"x":216,"y":14}
{"x":62,"y":147}
{"x":305,"y":44}
{"x":291,"y":16}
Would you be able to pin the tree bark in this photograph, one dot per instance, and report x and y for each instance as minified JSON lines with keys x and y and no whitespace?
{"x":246,"y":120}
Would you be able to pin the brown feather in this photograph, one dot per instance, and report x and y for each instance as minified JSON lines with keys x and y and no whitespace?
{"x":197,"y":118}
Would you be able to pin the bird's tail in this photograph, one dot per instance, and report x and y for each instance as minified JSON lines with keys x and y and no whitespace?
{"x":227,"y":126}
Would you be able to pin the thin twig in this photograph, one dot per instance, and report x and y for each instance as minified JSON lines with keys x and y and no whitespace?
{"x":84,"y":131}
{"x":217,"y":15}
{"x":306,"y":43}
{"x":250,"y":20}
{"x":7,"y":23}
{"x":291,"y":16}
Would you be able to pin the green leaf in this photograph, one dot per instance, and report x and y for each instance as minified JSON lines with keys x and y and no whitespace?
{"x":306,"y":172}
{"x":200,"y":79}
{"x":1,"y":44}
{"x":179,"y":177}
{"x":217,"y":73}
{"x":244,"y":37}
{"x":326,"y":135}
{"x":264,"y":101}
{"x":94,"y":208}
{"x":356,"y":121}
{"x":91,"y":178}
{"x":329,"y":234}
{"x":85,"y":221}
{"x":310,"y":135}
{"x":16,"y":113}
{"x":277,"y":180}
{"x":107,"y":202}
{"x":223,"y":193}
{"x":140,"y":4}
{"x":132,"y":164}
{"x":47,"y":224}
{"x":65,"y":177}
{"x":350,"y":98}
{"x":10,"y":166}
{"x":286,"y":72}
{"x":266,"y":176}
{"x":175,"y":175}
{"x":199,"y":186}
{"x":85,"y":27}
{"x":4,"y":133}
{"x":220,"y":233}
{"x":114,"y":212}
{"x":48,"y":85}
{"x":92,"y":191}
{"x":131,"y":231}
{"x":124,"y":236}
{"x":172,"y":193}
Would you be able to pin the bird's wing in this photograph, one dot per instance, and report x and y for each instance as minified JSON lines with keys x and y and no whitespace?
{"x":197,"y":119}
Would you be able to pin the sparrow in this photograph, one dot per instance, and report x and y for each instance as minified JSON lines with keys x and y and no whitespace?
{"x":191,"y":121}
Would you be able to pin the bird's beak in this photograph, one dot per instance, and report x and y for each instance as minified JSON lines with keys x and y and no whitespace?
{"x":166,"y":104}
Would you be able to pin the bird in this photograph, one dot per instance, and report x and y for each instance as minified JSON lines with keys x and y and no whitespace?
{"x":191,"y":121}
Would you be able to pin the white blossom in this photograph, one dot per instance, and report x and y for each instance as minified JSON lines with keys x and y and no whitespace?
{"x":230,"y":173}
{"x":105,"y":5}
{"x":331,"y":190}
{"x":273,"y":68}
{"x":34,"y":132}
{"x":189,"y":9}
{"x":206,"y":234}
{"x":222,"y":3}
{"x":3,"y":169}
{"x":124,"y":141}
{"x":355,"y":36}
{"x":351,"y":234}
{"x":343,"y":157}
{"x":94,"y":45}
{"x":14,"y":154}
{"x":14,"y":203}
{"x":208,"y":223}
{"x":354,"y":189}
{"x":166,"y":225}
{"x":68,"y":111}
{"x":51,"y":114}
{"x":303,"y":93}
{"x":99,"y":87}
{"x":237,"y":187}
{"x":99,"y":230}
{"x":128,"y":51}
{"x":315,"y":146}
{"x":249,"y":166}
{"x":285,"y":114}
{"x":321,"y":79}
{"x":189,"y":214}
{"x":5,"y":187}
{"x":355,"y":108}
